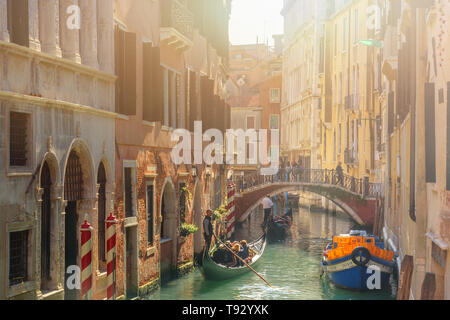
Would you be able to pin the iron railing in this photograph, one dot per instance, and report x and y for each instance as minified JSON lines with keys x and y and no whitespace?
{"x":175,"y":14}
{"x":354,"y":185}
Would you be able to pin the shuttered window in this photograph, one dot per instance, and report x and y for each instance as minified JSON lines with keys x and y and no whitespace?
{"x":18,"y":139}
{"x":391,"y":112}
{"x":153,"y":98}
{"x":193,"y":115}
{"x":207,"y":89}
{"x":125,"y":63}
{"x":128,"y":192}
{"x":150,"y":214}
{"x":18,"y":22}
{"x":448,"y":136}
{"x":430,"y":133}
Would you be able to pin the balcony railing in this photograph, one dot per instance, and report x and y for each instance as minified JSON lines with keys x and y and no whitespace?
{"x":175,"y":14}
{"x":363,"y":187}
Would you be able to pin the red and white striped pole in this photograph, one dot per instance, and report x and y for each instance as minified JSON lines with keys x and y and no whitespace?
{"x":86,"y":261}
{"x":231,"y":210}
{"x":111,"y":256}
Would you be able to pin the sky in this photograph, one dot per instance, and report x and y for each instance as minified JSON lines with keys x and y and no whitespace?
{"x":255,"y":18}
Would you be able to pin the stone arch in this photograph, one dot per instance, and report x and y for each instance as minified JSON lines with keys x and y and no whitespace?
{"x":49,"y":204}
{"x":81,"y":149}
{"x":79,"y":193}
{"x":341,"y":204}
{"x":197,"y":216}
{"x":168,"y":226}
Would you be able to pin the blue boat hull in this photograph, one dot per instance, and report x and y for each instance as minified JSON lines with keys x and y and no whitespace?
{"x":346,"y":274}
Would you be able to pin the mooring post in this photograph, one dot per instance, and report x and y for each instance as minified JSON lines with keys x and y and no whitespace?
{"x":404,"y":284}
{"x":111,"y":256}
{"x":86,"y":261}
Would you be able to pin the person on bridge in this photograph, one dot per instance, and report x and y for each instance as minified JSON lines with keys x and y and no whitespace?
{"x":340,"y":174}
{"x":207,"y":229}
{"x":267,"y":206}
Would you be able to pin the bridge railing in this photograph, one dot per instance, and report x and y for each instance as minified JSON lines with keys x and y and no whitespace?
{"x":310,"y":176}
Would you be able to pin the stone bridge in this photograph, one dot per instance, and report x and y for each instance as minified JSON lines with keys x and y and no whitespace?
{"x":356,"y":197}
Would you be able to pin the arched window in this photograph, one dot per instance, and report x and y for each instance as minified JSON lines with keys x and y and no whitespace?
{"x":101,"y":181}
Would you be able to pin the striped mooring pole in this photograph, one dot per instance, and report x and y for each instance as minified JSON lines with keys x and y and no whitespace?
{"x":231,"y":210}
{"x":111,"y":256}
{"x":86,"y":261}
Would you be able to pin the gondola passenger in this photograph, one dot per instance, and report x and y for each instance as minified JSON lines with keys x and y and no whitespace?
{"x":244,"y":253}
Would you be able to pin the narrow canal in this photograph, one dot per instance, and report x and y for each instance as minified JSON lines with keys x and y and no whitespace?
{"x":291,"y":267}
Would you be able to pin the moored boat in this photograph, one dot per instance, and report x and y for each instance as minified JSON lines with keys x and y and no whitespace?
{"x":358,"y":261}
{"x":216,"y":271}
{"x":278,"y":227}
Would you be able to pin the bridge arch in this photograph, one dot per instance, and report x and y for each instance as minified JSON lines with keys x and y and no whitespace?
{"x":361,"y":210}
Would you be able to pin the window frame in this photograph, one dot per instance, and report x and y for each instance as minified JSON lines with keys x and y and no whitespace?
{"x":30,"y":283}
{"x":131,"y":164}
{"x":278,"y":121}
{"x":28,"y":168}
{"x":150,"y":183}
{"x":278,"y":95}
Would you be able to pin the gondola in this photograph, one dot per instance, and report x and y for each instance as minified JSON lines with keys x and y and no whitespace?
{"x":278,"y":228}
{"x":214,"y":271}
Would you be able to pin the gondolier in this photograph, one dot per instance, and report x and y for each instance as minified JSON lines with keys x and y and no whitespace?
{"x":207,"y":229}
{"x":267,"y":207}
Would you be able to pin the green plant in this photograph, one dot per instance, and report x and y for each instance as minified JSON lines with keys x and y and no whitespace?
{"x":187,"y":229}
{"x":219,"y":212}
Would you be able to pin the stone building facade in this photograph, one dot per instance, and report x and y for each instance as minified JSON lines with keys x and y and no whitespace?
{"x":416,"y":133}
{"x":302,"y":69}
{"x":57,"y":152}
{"x":171,"y":72}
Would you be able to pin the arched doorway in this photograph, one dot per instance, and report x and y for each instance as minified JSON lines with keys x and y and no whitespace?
{"x":101,"y":181}
{"x":197,"y":208}
{"x":73,"y":192}
{"x":46,"y":224}
{"x":168,"y":231}
{"x":80,"y":196}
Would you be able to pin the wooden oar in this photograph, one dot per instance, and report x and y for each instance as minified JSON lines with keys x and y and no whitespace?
{"x":245,"y":263}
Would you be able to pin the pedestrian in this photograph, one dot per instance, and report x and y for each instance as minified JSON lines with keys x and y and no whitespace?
{"x":267,"y":207}
{"x":340,"y":174}
{"x":300,"y":169}
{"x":207,"y":229}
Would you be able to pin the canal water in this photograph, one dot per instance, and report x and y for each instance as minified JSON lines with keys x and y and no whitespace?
{"x":291,"y":267}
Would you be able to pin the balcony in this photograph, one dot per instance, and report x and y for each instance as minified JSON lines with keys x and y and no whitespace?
{"x":177,"y":25}
{"x":350,"y":157}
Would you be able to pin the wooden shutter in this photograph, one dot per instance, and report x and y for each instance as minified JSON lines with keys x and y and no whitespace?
{"x":130,"y":73}
{"x":207,"y":87}
{"x":153,"y":99}
{"x":125,"y":61}
{"x":391,"y":113}
{"x":118,"y":48}
{"x":18,"y":22}
{"x":430,"y":133}
{"x":193,"y":105}
{"x":448,"y":136}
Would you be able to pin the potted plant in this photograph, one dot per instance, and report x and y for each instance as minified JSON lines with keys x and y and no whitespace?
{"x":187,"y":229}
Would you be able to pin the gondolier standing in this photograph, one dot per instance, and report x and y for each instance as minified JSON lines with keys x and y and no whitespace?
{"x":207,"y":229}
{"x":267,"y":206}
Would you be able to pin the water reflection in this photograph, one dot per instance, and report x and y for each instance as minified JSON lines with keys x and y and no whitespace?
{"x":292,"y":267}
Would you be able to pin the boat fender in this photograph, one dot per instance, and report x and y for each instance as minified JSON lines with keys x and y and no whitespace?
{"x":361,"y":256}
